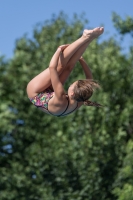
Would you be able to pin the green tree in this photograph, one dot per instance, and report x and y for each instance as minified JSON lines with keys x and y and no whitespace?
{"x":123,"y":186}
{"x":75,"y":157}
{"x":123,"y":25}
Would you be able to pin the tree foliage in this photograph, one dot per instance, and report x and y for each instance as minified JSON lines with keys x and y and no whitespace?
{"x":84,"y":156}
{"x":123,"y":26}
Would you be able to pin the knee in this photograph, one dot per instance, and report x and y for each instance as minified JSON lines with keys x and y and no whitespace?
{"x":30,"y":88}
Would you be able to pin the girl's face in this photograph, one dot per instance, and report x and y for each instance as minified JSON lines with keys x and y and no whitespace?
{"x":71,"y":88}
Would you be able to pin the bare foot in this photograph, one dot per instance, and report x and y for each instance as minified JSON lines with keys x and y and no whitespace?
{"x":92,"y":34}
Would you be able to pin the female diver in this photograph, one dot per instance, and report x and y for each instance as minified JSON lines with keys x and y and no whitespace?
{"x":46,"y":90}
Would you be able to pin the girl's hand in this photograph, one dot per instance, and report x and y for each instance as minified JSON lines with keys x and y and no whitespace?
{"x":64,"y":46}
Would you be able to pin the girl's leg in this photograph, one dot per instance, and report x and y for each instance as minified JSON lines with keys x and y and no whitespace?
{"x":71,"y":63}
{"x":87,"y":37}
{"x":43,"y":81}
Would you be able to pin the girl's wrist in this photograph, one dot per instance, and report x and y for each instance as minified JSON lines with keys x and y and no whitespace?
{"x":81,"y":58}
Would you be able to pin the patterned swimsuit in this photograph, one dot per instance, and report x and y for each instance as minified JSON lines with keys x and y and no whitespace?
{"x":42,"y":99}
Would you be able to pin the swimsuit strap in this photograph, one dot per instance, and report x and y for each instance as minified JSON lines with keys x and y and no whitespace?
{"x":72,"y":110}
{"x":65,"y":109}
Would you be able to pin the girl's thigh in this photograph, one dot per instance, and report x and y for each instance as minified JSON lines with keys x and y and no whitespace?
{"x":39,"y":83}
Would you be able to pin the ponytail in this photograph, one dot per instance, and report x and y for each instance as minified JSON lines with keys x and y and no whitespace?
{"x":90,"y":103}
{"x":84,"y":89}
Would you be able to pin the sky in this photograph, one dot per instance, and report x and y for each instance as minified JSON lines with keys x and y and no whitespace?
{"x":20,"y":17}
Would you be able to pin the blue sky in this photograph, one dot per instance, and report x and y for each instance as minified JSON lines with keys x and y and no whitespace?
{"x":20,"y":17}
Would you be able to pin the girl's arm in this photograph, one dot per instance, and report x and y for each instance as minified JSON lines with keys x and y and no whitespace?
{"x":57,"y":85}
{"x":86,"y":68}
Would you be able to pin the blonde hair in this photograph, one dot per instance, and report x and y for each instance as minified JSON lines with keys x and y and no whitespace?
{"x":84,"y":89}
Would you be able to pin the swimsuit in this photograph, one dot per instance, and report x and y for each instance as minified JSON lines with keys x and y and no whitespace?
{"x":42,"y":99}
